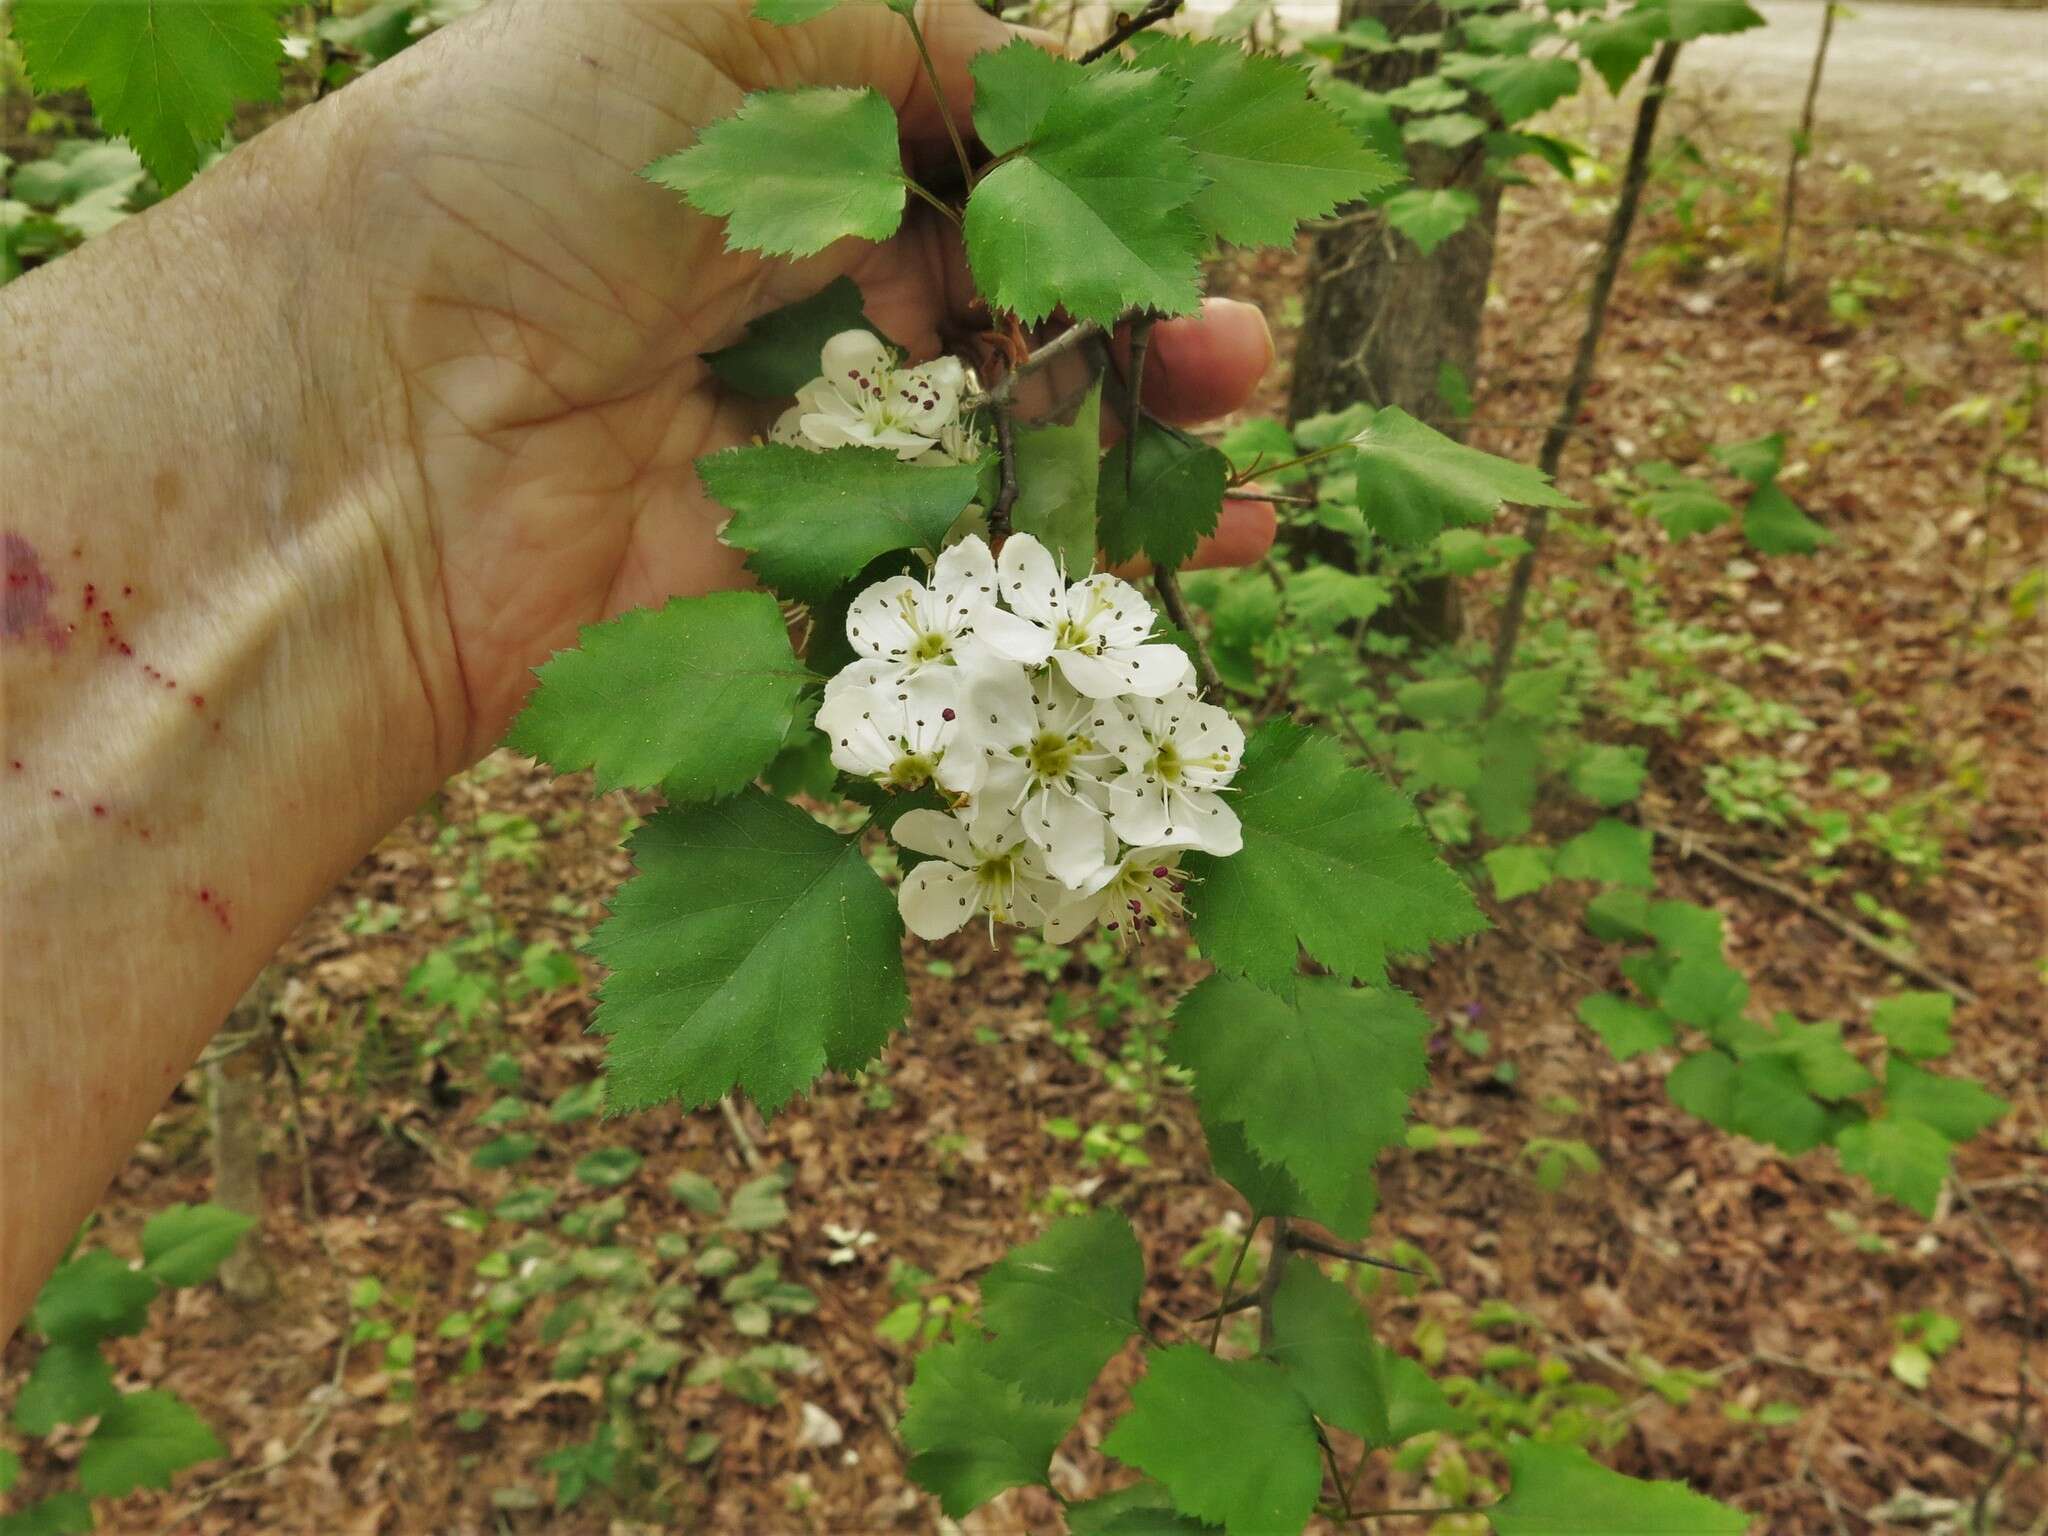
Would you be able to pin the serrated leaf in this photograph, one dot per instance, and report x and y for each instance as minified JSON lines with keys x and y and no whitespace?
{"x":1160,"y":491}
{"x":1954,"y":1106}
{"x":1704,"y":1084}
{"x":93,"y":1296}
{"x":1073,"y":220}
{"x":1319,"y":1084}
{"x":1915,"y":1023}
{"x":1773,"y":523}
{"x":1270,"y":1192}
{"x":1519,"y":869}
{"x":1059,"y":1307}
{"x":141,"y":1440}
{"x":1324,"y":1342}
{"x":1703,"y":990}
{"x":1629,"y":1029}
{"x":1322,"y":597}
{"x":1685,"y":20}
{"x":1609,"y":775}
{"x":1823,"y":1062}
{"x":695,"y":697}
{"x":1143,"y":1509}
{"x":1272,"y":154}
{"x":779,"y":353}
{"x":1685,"y":509}
{"x":1333,"y":862}
{"x":1431,"y":216}
{"x":971,"y":1434}
{"x":1446,"y":130}
{"x":185,"y":1244}
{"x":1683,"y":929}
{"x":1770,"y":1104}
{"x":1906,"y":1159}
{"x":1620,"y":917}
{"x":1057,"y":471}
{"x":1756,"y":461}
{"x":1413,"y":482}
{"x":1520,"y":88}
{"x":793,"y":171}
{"x":70,"y":1383}
{"x":1617,"y":48}
{"x":165,"y":77}
{"x":752,"y":949}
{"x":1229,"y":1439}
{"x":810,"y":521}
{"x":1611,"y":852}
{"x":1013,"y":87}
{"x":1558,"y":1490}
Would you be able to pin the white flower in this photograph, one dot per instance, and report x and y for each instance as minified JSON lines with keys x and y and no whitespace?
{"x":902,"y":732}
{"x":1177,"y":755}
{"x":987,"y":866}
{"x":1141,"y":892}
{"x":1056,"y":779}
{"x":865,"y":400}
{"x":1095,"y":631}
{"x":903,"y":626}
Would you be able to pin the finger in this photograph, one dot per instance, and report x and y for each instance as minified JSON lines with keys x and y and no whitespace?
{"x":1244,"y":532}
{"x":1206,"y":365}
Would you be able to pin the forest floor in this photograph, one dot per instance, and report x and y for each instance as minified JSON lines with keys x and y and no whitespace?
{"x":1913,"y":643}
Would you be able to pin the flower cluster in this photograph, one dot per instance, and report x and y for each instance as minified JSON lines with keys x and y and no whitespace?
{"x":1076,"y":760}
{"x":864,"y":400}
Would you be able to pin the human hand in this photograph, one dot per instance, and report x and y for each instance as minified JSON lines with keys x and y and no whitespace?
{"x":532,"y":313}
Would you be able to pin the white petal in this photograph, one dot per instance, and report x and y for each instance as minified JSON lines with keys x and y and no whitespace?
{"x":1012,"y":637}
{"x":1068,"y":922}
{"x":1209,"y":823}
{"x":1030,"y":581}
{"x":964,"y":582}
{"x":1149,"y":671}
{"x":852,"y":352}
{"x":937,"y":899}
{"x":1091,"y":676}
{"x":875,"y":623}
{"x":1117,"y":612}
{"x":935,"y":833}
{"x":1206,"y":732}
{"x":859,"y":745}
{"x":1138,"y":813}
{"x":995,"y":706}
{"x":1074,"y":835}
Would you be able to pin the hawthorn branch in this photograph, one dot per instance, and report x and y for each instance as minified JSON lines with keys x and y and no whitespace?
{"x":1560,"y":433}
{"x":1006,"y":497}
{"x":1131,"y":26}
{"x":1000,"y":393}
{"x":1167,"y":580}
{"x":1269,"y":1282}
{"x":1303,"y":1242}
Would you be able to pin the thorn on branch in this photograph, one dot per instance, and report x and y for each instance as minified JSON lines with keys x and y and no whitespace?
{"x":1235,"y":1304}
{"x":1000,"y":394}
{"x":1131,"y":26}
{"x":1307,"y":1244}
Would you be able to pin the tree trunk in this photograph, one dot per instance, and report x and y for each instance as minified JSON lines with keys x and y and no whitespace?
{"x":234,"y":1089}
{"x":1381,"y":318}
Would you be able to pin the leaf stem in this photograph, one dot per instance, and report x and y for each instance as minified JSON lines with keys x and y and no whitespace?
{"x":938,"y":203}
{"x":931,"y":73}
{"x":1269,"y":1282}
{"x":1236,"y":1264}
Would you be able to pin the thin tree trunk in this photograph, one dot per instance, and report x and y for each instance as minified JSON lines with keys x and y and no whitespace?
{"x":1618,"y":228}
{"x":1802,"y":143}
{"x":1381,"y":319}
{"x":234,"y":1090}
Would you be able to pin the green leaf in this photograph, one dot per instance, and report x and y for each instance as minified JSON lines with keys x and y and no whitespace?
{"x":185,"y":1244}
{"x":1057,"y":468}
{"x":1915,"y":1023}
{"x":1757,"y":461}
{"x":1558,"y":1490}
{"x":1518,"y":870}
{"x":1442,"y":700}
{"x":141,"y":1440}
{"x":165,"y":77}
{"x":1687,"y":19}
{"x":791,"y":13}
{"x":1520,"y":88}
{"x":697,"y":1192}
{"x":1061,"y":1306}
{"x":1684,"y":508}
{"x":1906,"y":1159}
{"x":695,"y":697}
{"x":1682,"y":929}
{"x":1770,"y":1104}
{"x":1703,"y":990}
{"x":1617,"y":48}
{"x":504,"y":1151}
{"x":1013,"y":87}
{"x":61,"y":1514}
{"x":779,"y":353}
{"x":971,"y":1434}
{"x":1611,"y":852}
{"x":1272,"y":154}
{"x":1229,"y":1438}
{"x":1160,"y":492}
{"x":1430,"y":216}
{"x":793,"y":171}
{"x":1416,"y":1405}
{"x":752,"y":949}
{"x":70,"y":1383}
{"x":1511,"y":756}
{"x":1954,"y":1106}
{"x":1704,"y":1084}
{"x":1620,"y":917}
{"x":811,"y":521}
{"x":10,"y":1470}
{"x":1609,"y":775}
{"x":94,"y":1296}
{"x":1823,"y":1062}
{"x":1143,"y":1509}
{"x":1414,"y":482}
{"x":1324,"y":1342}
{"x":757,"y":1205}
{"x":608,"y":1167}
{"x":1446,"y":130}
{"x":1333,"y":861}
{"x":1270,"y":1192}
{"x":1773,"y":523}
{"x":1628,"y":1028}
{"x":1074,"y":220}
{"x":1319,"y":1085}
{"x":1323,"y":597}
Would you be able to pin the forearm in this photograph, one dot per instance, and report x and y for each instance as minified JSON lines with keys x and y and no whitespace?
{"x":209,"y":695}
